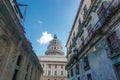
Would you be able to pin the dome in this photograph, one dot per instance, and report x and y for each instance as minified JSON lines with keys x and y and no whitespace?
{"x":54,"y":47}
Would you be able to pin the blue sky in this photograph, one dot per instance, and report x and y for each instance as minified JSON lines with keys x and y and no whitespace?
{"x":48,"y":17}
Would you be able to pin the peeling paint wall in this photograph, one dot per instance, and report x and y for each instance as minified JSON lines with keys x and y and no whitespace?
{"x":101,"y":65}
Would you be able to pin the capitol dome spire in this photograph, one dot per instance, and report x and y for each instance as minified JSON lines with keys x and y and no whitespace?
{"x":55,"y":37}
{"x":54,"y":47}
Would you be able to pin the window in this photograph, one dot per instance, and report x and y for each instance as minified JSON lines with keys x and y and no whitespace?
{"x":15,"y":75}
{"x":75,"y":51}
{"x":55,"y":42}
{"x":19,"y":60}
{"x":101,"y":13}
{"x":54,"y":47}
{"x":55,"y":65}
{"x":118,"y":70}
{"x":92,"y":0}
{"x":85,"y":11}
{"x":55,"y":73}
{"x":90,"y":31}
{"x":49,"y":73}
{"x":86,"y":63}
{"x":77,"y":69}
{"x":43,"y":65}
{"x":80,"y":22}
{"x":82,"y":39}
{"x":114,"y":43}
{"x":78,"y":78}
{"x":101,"y":10}
{"x":61,"y":73}
{"x":71,"y":72}
{"x":73,"y":39}
{"x":49,"y":65}
{"x":62,"y":66}
{"x":70,"y":45}
{"x":89,"y":77}
{"x":68,"y":75}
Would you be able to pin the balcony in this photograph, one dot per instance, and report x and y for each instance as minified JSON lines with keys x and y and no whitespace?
{"x":88,"y":20}
{"x":106,"y":14}
{"x":73,"y":42}
{"x":114,"y":44}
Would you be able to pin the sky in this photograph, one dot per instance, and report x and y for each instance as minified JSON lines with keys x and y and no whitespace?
{"x":44,"y":18}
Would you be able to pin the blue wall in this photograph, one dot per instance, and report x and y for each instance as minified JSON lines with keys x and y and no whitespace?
{"x":101,"y":65}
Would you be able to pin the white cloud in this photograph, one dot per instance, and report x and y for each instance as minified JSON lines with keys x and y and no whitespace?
{"x":40,"y":22}
{"x":45,"y":38}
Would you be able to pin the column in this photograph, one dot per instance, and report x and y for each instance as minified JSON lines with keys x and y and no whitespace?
{"x":29,"y":72}
{"x":33,"y":73}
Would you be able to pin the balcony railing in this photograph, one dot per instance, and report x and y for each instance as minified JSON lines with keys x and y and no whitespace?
{"x":115,"y":48}
{"x":114,"y":44}
{"x":89,"y":37}
{"x":102,"y":19}
{"x":95,"y":6}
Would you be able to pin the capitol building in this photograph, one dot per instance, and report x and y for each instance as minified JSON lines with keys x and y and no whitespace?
{"x":54,"y":62}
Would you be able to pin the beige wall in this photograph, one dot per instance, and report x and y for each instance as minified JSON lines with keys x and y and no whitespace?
{"x":53,"y":61}
{"x":52,"y":76}
{"x":76,"y":25}
{"x":17,"y":58}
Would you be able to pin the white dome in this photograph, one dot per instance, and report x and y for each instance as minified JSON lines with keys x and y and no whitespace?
{"x":54,"y":47}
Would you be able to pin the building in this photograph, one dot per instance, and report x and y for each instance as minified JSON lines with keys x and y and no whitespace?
{"x":93,"y":45}
{"x":54,"y":62}
{"x":18,"y":61}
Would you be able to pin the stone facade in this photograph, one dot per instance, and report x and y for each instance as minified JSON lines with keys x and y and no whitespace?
{"x":93,"y":46}
{"x":18,"y":61}
{"x":54,"y":62}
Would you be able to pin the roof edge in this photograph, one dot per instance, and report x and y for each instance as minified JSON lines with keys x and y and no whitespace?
{"x":79,"y":8}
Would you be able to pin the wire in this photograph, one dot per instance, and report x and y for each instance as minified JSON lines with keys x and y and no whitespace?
{"x":24,"y":16}
{"x":25,"y":11}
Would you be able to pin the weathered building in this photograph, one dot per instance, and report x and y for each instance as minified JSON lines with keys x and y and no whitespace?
{"x":54,"y":62}
{"x":93,"y":46}
{"x":17,"y":58}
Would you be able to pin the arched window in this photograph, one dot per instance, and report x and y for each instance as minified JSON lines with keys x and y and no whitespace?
{"x":19,"y":60}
